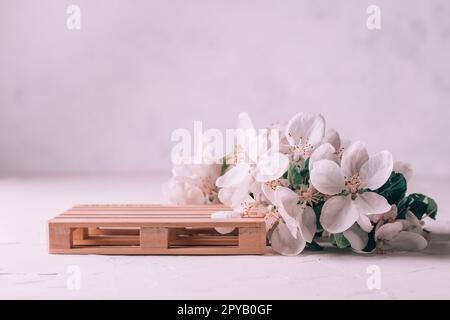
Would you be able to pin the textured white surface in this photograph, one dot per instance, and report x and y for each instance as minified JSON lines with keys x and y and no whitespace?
{"x":28,"y":271}
{"x":137,"y":70}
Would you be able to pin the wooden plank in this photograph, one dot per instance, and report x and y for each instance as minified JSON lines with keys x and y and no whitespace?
{"x":150,"y":207}
{"x":127,"y":250}
{"x":105,"y":240}
{"x":148,"y":211}
{"x":114,"y":231}
{"x":132,"y":215}
{"x":135,"y":241}
{"x":144,"y":222}
{"x":155,"y":237}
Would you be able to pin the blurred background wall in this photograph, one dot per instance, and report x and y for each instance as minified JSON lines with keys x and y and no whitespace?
{"x":105,"y":99}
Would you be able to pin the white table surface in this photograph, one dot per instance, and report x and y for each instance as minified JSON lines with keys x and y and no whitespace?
{"x":28,"y":271}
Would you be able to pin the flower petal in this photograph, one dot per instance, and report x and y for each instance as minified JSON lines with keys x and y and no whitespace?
{"x":353,"y":158}
{"x":305,"y":127}
{"x":404,"y":168}
{"x":376,"y":171}
{"x":332,"y":137}
{"x":327,"y":178}
{"x":271,"y":166}
{"x":256,"y":189}
{"x":371,"y":203}
{"x":288,"y":208}
{"x":225,"y":215}
{"x":388,"y":231}
{"x":241,"y":192}
{"x":234,"y":176}
{"x":178,"y":192}
{"x":308,"y":224}
{"x":364,"y":222}
{"x":338,"y":214}
{"x":244,"y":121}
{"x":284,"y":243}
{"x":409,"y":241}
{"x":357,"y":237}
{"x":287,"y":200}
{"x":412,"y":219}
{"x":244,"y":205}
{"x":269,"y":193}
{"x":225,"y":195}
{"x":411,"y":223}
{"x":324,"y":152}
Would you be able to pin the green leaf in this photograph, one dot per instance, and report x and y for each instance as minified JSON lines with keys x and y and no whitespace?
{"x":314,"y":246}
{"x":340,"y":241}
{"x":371,"y":244}
{"x":422,"y":206}
{"x":317,"y":210}
{"x":298,"y":174}
{"x":419,"y":204}
{"x":224,"y":168}
{"x":394,"y":189}
{"x":224,"y":163}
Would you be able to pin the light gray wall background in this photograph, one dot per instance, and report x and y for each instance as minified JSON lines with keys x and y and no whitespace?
{"x":105,"y":99}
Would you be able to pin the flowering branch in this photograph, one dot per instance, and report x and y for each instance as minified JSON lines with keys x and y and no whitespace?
{"x":312,"y":185}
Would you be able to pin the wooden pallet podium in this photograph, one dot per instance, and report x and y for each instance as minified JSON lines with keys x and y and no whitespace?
{"x":153,"y":229}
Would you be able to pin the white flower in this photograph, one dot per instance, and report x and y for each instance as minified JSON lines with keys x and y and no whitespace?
{"x":349,"y":185}
{"x":269,"y":188}
{"x":407,"y":234}
{"x":304,"y":132}
{"x":250,"y":169}
{"x":332,"y":148}
{"x":193,"y":184}
{"x":388,"y":216}
{"x":404,"y":168}
{"x":247,"y":208}
{"x":298,"y":226}
{"x":324,"y":152}
{"x":237,"y":212}
{"x":178,"y":192}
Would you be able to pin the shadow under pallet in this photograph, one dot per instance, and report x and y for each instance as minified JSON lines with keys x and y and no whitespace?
{"x":153,"y":229}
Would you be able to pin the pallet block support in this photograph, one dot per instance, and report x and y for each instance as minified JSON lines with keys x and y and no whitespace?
{"x":154,"y":237}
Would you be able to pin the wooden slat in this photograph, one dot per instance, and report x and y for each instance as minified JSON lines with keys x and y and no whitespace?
{"x":113,"y":240}
{"x":125,"y":215}
{"x":149,"y":207}
{"x":135,"y":231}
{"x":145,"y":222}
{"x":116,"y":231}
{"x":113,"y":250}
{"x":146,"y":211}
{"x":135,"y":241}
